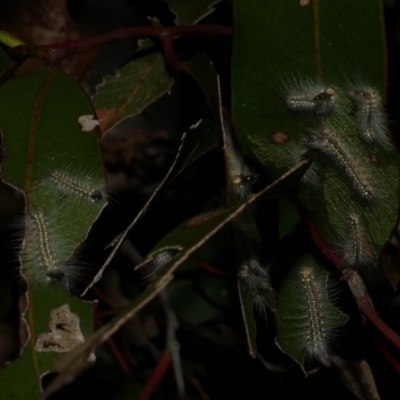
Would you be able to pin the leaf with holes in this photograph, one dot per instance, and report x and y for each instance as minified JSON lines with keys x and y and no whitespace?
{"x":57,"y":167}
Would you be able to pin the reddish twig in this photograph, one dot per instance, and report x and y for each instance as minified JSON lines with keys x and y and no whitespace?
{"x":210,"y":268}
{"x":55,"y":53}
{"x":387,"y":352}
{"x":365,"y":304}
{"x":326,"y":249}
{"x":116,"y":352}
{"x":168,"y":45}
{"x":118,"y":356}
{"x":156,"y":376}
{"x":107,"y":299}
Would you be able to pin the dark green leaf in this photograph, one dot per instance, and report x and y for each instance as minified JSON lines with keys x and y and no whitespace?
{"x":307,"y":321}
{"x":42,"y":135}
{"x":134,"y":86}
{"x":284,"y":47}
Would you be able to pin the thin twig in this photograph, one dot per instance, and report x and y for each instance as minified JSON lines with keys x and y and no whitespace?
{"x":389,"y":354}
{"x":173,"y":344}
{"x":364,"y":302}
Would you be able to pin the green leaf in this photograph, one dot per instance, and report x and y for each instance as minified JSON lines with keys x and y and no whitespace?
{"x":22,"y":378}
{"x":197,"y":307}
{"x":307,"y":322}
{"x":134,"y":86}
{"x":43,"y":136}
{"x":327,"y":44}
{"x":190,"y":12}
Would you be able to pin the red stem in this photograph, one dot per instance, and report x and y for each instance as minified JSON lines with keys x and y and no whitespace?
{"x":387,"y":352}
{"x":156,"y":376}
{"x":365,"y":303}
{"x":58,"y":51}
{"x":116,"y":352}
{"x":321,"y":243}
{"x":119,"y":357}
{"x":168,"y":44}
{"x":210,"y":268}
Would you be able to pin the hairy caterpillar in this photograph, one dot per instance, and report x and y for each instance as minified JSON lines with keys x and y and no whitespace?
{"x":255,"y":279}
{"x":307,"y":320}
{"x":306,"y":96}
{"x":72,"y":185}
{"x":317,"y":345}
{"x":355,"y":246}
{"x":328,"y":144}
{"x":84,"y":187}
{"x":43,"y":251}
{"x":370,"y":118}
{"x":157,"y":261}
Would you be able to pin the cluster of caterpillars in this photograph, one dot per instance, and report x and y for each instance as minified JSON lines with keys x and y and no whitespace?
{"x":322,"y":102}
{"x":44,"y":244}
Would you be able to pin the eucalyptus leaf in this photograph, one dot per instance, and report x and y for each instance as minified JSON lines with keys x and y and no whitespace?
{"x":133,"y":87}
{"x":307,"y":321}
{"x":286,"y":54}
{"x":50,"y":159}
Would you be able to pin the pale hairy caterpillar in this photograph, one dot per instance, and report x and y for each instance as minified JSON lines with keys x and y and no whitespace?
{"x":328,"y":144}
{"x":78,"y":185}
{"x":44,"y":253}
{"x":317,"y":343}
{"x":78,"y":188}
{"x":156,"y":261}
{"x":255,"y":279}
{"x":243,"y":183}
{"x":370,"y":118}
{"x":306,"y":96}
{"x":354,"y":247}
{"x":307,"y":320}
{"x":241,"y":177}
